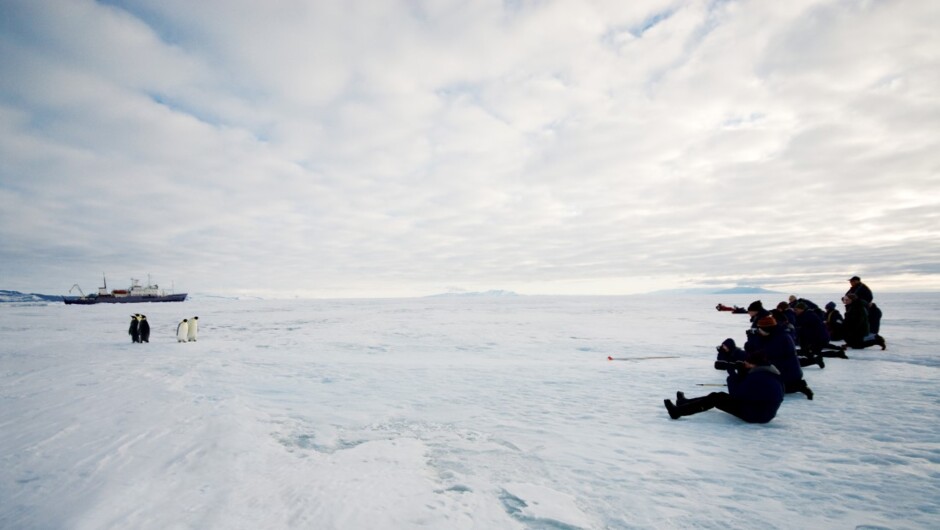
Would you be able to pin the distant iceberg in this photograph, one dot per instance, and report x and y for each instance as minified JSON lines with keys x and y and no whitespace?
{"x":17,"y":297}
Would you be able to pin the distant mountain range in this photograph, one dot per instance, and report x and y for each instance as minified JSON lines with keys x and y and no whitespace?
{"x":490,"y":293}
{"x":18,"y":297}
{"x":709,"y":290}
{"x":745,"y":290}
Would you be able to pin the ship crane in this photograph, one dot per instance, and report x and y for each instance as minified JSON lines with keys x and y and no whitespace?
{"x":79,"y":290}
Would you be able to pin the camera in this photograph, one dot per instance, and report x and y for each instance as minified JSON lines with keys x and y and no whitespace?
{"x":729,"y":365}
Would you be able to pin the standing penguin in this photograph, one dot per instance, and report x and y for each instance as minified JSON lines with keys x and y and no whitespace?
{"x":193,"y":329}
{"x":134,"y":330}
{"x":182,"y":329}
{"x":144,"y":327}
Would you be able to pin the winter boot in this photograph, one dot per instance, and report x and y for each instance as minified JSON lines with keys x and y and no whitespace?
{"x":820,"y":362}
{"x":804,"y":388}
{"x":809,"y":361}
{"x":672,"y":410}
{"x":689,"y":406}
{"x":881,"y":341}
{"x":680,"y":398}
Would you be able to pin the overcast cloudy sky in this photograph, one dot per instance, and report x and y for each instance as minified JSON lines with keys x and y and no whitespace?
{"x":400,"y":148}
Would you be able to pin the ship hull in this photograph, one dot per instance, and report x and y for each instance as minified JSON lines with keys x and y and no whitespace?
{"x":124,"y":299}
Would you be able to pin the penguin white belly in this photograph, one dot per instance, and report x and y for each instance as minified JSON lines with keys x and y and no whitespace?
{"x":193,"y":328}
{"x":182,"y":331}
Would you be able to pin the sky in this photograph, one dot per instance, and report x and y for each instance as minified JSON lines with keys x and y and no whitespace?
{"x":406,"y":148}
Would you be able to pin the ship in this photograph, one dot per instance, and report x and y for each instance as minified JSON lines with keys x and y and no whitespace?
{"x":136,"y":293}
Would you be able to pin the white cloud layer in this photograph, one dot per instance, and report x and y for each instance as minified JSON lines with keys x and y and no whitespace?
{"x":364,"y":148}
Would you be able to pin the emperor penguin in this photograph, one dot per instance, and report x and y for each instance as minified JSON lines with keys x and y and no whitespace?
{"x":182,"y":329}
{"x":144,"y":327}
{"x":193,"y":329}
{"x":134,"y":330}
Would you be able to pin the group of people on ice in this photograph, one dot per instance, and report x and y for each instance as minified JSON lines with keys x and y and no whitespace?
{"x":186,"y":331}
{"x":780,"y":343}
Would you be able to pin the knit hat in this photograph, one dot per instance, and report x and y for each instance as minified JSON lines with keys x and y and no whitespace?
{"x":800,"y":305}
{"x":767,"y":322}
{"x":855,"y":279}
{"x":783,"y":306}
{"x":756,"y":305}
{"x":830,"y":306}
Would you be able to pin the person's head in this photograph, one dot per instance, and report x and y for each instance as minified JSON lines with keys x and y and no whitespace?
{"x":756,"y":358}
{"x":849,"y":298}
{"x":727,"y":345}
{"x":799,"y":308}
{"x":830,"y":306}
{"x":855,"y":280}
{"x":766,"y":324}
{"x":783,"y":306}
{"x":755,"y":307}
{"x":792,"y":298}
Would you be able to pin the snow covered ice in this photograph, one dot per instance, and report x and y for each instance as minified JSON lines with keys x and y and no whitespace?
{"x":451,"y":413}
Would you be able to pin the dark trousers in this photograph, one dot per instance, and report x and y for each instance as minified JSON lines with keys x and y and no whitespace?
{"x":791,"y":387}
{"x":720,"y":400}
{"x":832,"y":350}
{"x":861,"y":344}
{"x":808,"y":354}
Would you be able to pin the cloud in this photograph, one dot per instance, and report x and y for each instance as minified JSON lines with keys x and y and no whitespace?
{"x":395,"y":148}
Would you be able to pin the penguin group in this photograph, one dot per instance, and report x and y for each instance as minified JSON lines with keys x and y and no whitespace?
{"x":187,"y":330}
{"x":140,"y":329}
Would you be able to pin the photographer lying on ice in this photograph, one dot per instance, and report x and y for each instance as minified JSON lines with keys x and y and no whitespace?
{"x":754,"y":394}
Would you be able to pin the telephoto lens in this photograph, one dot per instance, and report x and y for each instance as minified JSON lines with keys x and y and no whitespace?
{"x":728,"y":365}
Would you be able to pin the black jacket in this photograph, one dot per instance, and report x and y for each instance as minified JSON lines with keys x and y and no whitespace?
{"x":759,"y":392}
{"x":862,"y":292}
{"x":835,"y":324}
{"x":856,"y":326}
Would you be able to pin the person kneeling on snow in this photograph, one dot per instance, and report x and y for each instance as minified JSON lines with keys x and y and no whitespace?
{"x":856,"y":328}
{"x":813,"y":336}
{"x":754,"y":394}
{"x":776,"y":343}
